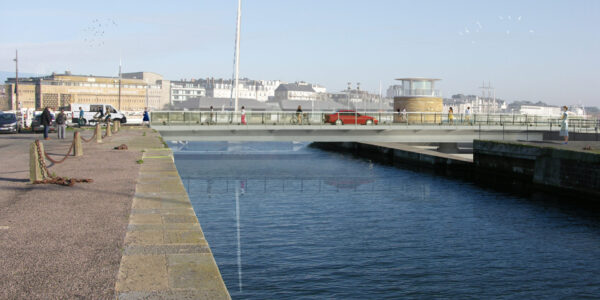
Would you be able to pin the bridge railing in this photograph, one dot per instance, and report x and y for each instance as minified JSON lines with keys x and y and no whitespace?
{"x":344,"y":118}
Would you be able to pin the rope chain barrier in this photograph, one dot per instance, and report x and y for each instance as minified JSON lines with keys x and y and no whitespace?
{"x":86,"y":140}
{"x":53,"y":179}
{"x":64,"y":158}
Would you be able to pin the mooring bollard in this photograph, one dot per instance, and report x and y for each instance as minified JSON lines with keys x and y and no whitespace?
{"x":77,"y":144}
{"x":35,"y":166}
{"x":98,"y":133}
{"x":108,"y":129}
{"x":117,"y":126}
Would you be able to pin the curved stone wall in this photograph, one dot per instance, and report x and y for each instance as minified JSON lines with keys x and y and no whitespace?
{"x":431,"y":105}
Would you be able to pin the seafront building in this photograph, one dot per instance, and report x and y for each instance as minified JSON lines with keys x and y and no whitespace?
{"x":295,"y":91}
{"x":4,"y":103}
{"x":132,"y":92}
{"x":418,"y":95}
{"x":260,"y":90}
{"x":184,"y":90}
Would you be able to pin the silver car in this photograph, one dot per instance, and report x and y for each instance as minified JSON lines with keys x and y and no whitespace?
{"x":8,"y":123}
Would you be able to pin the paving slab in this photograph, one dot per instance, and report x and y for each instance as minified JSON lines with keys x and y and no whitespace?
{"x":163,"y":224}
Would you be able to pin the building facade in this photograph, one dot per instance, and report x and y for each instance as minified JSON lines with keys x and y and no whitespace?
{"x":158,"y":90}
{"x":4,"y":104}
{"x":295,"y":91}
{"x":184,"y":90}
{"x":59,"y":90}
{"x":418,"y":95}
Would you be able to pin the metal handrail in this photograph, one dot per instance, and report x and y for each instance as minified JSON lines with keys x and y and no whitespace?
{"x":357,"y":118}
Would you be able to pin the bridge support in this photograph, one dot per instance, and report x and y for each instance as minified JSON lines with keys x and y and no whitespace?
{"x":448,"y":148}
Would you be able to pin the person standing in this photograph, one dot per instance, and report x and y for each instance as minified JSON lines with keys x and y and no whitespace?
{"x":81,"y":117}
{"x":468,"y":115}
{"x":564,"y":125}
{"x":403,"y":115}
{"x":451,"y":116}
{"x":46,"y":120}
{"x":146,"y":117}
{"x":299,"y":114}
{"x":243,"y":115}
{"x":211,"y":116}
{"x":61,"y":126}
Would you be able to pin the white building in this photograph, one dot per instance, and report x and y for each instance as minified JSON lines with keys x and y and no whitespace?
{"x":295,"y":91}
{"x":184,"y":90}
{"x":393,"y":91}
{"x":533,"y":110}
{"x":260,"y":90}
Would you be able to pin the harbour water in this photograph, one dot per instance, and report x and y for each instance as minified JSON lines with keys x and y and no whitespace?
{"x":286,"y":221}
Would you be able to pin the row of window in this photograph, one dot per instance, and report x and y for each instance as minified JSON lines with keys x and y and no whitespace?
{"x":92,"y":84}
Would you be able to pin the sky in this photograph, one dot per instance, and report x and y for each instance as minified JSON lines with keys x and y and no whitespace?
{"x":528,"y":50}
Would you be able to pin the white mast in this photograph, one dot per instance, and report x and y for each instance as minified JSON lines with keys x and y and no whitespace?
{"x":237,"y":54}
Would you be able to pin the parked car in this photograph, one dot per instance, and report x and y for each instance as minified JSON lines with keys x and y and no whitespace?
{"x":349,"y":117}
{"x":8,"y":123}
{"x":36,"y":125}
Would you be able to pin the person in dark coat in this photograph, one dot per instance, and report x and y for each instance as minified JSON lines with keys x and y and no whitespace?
{"x":46,"y":120}
{"x":146,"y":117}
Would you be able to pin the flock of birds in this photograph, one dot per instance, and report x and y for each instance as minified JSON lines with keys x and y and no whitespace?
{"x":509,"y":21}
{"x":95,"y":32}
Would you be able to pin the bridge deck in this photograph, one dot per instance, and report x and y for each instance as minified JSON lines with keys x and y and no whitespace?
{"x":352,"y":133}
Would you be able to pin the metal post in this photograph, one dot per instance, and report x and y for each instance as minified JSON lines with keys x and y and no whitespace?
{"x":17,"y":81}
{"x":237,"y":54}
{"x":119,"y":84}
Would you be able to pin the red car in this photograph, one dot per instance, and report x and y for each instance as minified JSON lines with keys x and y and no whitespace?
{"x":349,"y":117}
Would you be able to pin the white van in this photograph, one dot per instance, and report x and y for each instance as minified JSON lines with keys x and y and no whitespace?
{"x":91,"y":115}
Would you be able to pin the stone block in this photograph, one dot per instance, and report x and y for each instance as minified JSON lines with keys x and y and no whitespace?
{"x":143,"y":273}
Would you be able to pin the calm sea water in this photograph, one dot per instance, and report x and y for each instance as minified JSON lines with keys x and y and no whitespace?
{"x":285,"y":221}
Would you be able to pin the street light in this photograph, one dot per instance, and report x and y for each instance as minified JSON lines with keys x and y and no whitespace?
{"x":348,"y":100}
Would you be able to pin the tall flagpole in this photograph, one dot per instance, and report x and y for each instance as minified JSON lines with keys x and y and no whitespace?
{"x":237,"y":54}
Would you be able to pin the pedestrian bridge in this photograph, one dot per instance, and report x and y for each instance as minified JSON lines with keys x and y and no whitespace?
{"x":384,"y":127}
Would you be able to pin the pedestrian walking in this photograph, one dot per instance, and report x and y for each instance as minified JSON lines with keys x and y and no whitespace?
{"x":564,"y":125}
{"x":403,"y":115}
{"x":451,"y":116}
{"x":468,"y":115}
{"x":146,"y":117}
{"x":212,"y":115}
{"x":46,"y":121}
{"x":61,"y":124}
{"x":81,"y":119}
{"x":243,"y":115}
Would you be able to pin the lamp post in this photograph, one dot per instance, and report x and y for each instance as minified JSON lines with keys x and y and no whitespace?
{"x":348,"y":98}
{"x":16,"y":60}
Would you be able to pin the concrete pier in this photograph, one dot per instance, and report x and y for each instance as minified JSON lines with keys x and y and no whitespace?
{"x":546,"y":165}
{"x":166,"y":255}
{"x":550,"y":164}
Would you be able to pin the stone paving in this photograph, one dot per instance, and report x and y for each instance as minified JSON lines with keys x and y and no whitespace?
{"x":166,"y":255}
{"x":131,"y":234}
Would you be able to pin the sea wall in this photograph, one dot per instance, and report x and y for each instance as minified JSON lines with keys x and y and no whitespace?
{"x":547,"y":166}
